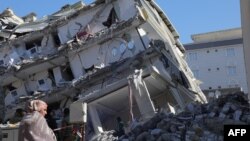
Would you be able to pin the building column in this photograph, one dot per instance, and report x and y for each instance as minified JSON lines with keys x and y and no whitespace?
{"x":140,"y":92}
{"x":177,"y":97}
{"x":2,"y":103}
{"x":245,"y":25}
{"x":96,"y":122}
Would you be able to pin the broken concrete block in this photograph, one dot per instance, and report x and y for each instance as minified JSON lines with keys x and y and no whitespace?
{"x":143,"y":136}
{"x":248,"y":120}
{"x":194,"y":138}
{"x":190,"y":107}
{"x":212,"y":114}
{"x":225,"y":108}
{"x":222,"y":115}
{"x":233,"y":107}
{"x":166,"y":137}
{"x":137,"y":130}
{"x":211,"y":122}
{"x":198,"y":131}
{"x":190,"y":132}
{"x":173,"y":128}
{"x":156,"y":132}
{"x":237,"y":115}
{"x":199,"y":117}
{"x":206,"y":126}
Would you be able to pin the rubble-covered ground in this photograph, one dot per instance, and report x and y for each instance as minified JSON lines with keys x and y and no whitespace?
{"x":199,"y":122}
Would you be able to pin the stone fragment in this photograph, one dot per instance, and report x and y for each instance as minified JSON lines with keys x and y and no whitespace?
{"x":143,"y":136}
{"x":237,"y":115}
{"x":156,"y":132}
{"x":222,"y":115}
{"x":212,"y":114}
{"x":225,"y":108}
{"x":205,"y":125}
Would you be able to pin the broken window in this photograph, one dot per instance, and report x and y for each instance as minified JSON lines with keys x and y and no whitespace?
{"x":67,"y":73}
{"x":165,"y":61}
{"x":52,"y":77}
{"x":10,"y":87}
{"x":12,"y":90}
{"x":33,"y":50}
{"x":32,"y":46}
{"x":56,"y":39}
{"x":1,"y":62}
{"x":2,"y":39}
{"x":90,"y":69}
{"x":41,"y":82}
{"x":33,"y":43}
{"x":13,"y":93}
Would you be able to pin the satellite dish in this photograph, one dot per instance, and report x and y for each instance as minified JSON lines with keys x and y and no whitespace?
{"x":131,"y":45}
{"x":114,"y":51}
{"x":122,"y":48}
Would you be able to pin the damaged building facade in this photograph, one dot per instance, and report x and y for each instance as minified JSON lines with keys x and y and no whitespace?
{"x":121,"y":57}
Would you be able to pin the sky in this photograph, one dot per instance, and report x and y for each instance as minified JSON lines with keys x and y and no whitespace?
{"x":187,"y":16}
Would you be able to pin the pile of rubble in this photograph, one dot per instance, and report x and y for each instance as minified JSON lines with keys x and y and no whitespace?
{"x":199,"y":122}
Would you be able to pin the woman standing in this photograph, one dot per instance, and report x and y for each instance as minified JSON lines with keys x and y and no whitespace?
{"x":33,"y":126}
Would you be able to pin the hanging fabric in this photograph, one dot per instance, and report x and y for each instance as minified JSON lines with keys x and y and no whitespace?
{"x":112,"y":18}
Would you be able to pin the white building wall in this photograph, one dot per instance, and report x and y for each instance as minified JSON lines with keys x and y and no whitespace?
{"x":212,"y":65}
{"x":93,"y":19}
{"x":20,"y":91}
{"x":9,"y":57}
{"x":245,"y":22}
{"x":68,"y":31}
{"x":20,"y":88}
{"x":58,"y":75}
{"x":125,"y":9}
{"x":33,"y":84}
{"x":75,"y":65}
{"x":105,"y":54}
{"x":47,"y":45}
{"x":89,"y":57}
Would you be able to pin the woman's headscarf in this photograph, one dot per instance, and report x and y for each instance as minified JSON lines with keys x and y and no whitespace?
{"x":34,"y":105}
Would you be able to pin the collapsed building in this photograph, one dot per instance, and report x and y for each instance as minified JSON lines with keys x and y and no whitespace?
{"x":121,"y":57}
{"x":199,"y":122}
